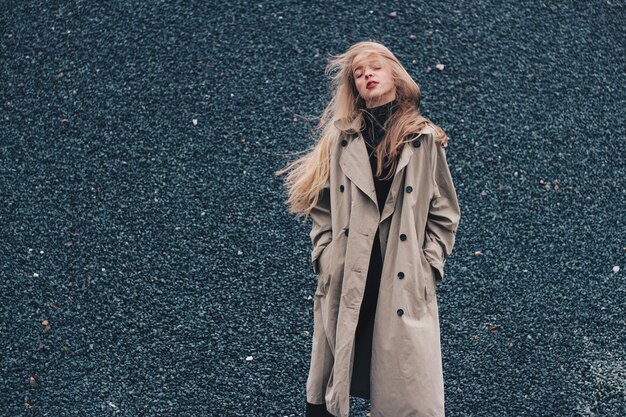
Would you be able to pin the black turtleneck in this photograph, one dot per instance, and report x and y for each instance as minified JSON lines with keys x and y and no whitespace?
{"x":373,"y":132}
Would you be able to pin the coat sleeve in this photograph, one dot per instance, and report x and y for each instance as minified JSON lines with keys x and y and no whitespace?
{"x":443,"y":216}
{"x":321,"y":231}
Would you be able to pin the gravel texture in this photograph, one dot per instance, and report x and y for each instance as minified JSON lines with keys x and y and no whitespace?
{"x":149,"y":265}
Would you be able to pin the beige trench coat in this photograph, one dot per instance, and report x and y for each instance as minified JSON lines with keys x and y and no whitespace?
{"x":417,"y":232}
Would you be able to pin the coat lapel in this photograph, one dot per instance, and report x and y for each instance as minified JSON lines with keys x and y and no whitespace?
{"x":354,"y":162}
{"x":390,"y":204}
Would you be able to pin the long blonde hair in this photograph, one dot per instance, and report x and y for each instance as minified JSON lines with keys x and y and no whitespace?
{"x":307,"y":175}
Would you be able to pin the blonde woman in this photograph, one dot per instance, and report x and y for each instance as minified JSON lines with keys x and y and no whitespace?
{"x":385,"y":213}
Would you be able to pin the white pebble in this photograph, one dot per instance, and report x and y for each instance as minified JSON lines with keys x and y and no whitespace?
{"x":615,"y":269}
{"x":249,"y":358}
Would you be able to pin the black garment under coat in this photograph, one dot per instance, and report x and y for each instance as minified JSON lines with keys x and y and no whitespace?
{"x":373,"y":133}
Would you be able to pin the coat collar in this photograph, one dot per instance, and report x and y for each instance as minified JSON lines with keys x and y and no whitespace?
{"x":354,"y":162}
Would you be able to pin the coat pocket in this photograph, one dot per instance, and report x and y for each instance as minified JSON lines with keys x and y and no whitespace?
{"x":430,"y":278}
{"x":324,"y":266}
{"x":430,"y":287}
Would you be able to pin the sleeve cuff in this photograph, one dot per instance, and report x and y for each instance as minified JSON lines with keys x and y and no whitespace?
{"x":436,"y":261}
{"x":438,"y":271}
{"x":317,"y":251}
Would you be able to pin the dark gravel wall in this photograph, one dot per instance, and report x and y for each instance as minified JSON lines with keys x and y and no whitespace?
{"x":146,"y":258}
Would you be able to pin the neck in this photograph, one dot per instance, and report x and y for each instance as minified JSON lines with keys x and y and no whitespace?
{"x":379,"y":104}
{"x":380,"y":100}
{"x":381,"y":112}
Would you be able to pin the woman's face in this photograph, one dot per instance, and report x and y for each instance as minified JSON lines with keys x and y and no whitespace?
{"x":373,"y":79}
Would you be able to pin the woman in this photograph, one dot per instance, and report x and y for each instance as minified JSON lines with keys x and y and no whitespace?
{"x":385,"y":212}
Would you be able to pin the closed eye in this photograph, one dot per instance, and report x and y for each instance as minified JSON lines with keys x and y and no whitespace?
{"x":357,"y":75}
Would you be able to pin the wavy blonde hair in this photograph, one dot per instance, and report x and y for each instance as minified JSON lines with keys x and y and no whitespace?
{"x":307,"y":175}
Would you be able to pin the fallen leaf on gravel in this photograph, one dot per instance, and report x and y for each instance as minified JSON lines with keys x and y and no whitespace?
{"x":46,"y":325}
{"x":510,"y":345}
{"x":494,"y":328}
{"x":478,"y":253}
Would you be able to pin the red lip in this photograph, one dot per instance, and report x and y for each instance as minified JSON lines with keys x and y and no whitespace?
{"x":371,"y":84}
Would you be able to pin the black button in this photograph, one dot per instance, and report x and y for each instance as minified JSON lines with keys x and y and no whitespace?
{"x":345,"y":232}
{"x":409,"y":189}
{"x":403,"y":237}
{"x":400,"y":312}
{"x":344,"y":142}
{"x":416,"y":143}
{"x":400,"y":274}
{"x":341,"y":187}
